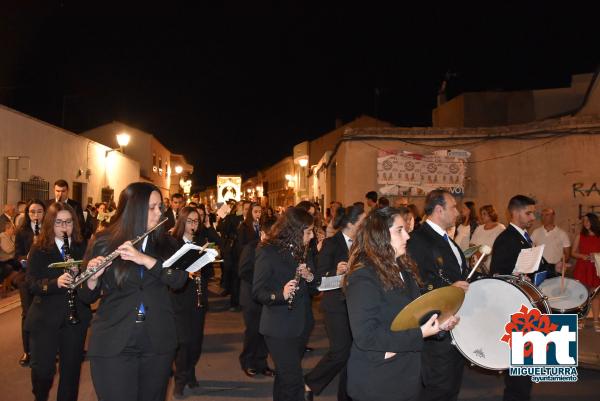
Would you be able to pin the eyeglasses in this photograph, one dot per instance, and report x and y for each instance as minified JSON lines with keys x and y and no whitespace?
{"x":36,"y":212}
{"x":190,"y":221}
{"x":59,"y":223}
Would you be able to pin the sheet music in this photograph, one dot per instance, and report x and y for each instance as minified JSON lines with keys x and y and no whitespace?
{"x":331,"y":283}
{"x":529,"y":260}
{"x":597,"y":263}
{"x":223,"y":210}
{"x":208,"y":257}
{"x":182,"y":251}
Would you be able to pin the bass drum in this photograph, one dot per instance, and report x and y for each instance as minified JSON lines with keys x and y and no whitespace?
{"x":486,"y":310}
{"x":574,"y":299}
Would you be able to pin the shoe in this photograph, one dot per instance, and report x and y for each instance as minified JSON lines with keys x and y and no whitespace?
{"x":224,"y":293}
{"x":308,"y":395}
{"x":235,"y":309}
{"x":178,"y":393}
{"x":309,"y":349}
{"x":249,"y":372}
{"x":24,"y":361}
{"x":193,"y":384}
{"x":267,"y":372}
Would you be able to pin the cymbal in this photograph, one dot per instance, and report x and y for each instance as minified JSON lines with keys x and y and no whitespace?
{"x":445,"y":301}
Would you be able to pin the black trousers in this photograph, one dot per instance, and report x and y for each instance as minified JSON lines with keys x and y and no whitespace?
{"x":254,"y":353}
{"x":136,"y":374}
{"x":287,"y":354}
{"x":189,"y":347}
{"x":26,"y":299}
{"x":334,"y":361}
{"x":68,"y":342}
{"x":517,"y":388}
{"x":442,"y":370}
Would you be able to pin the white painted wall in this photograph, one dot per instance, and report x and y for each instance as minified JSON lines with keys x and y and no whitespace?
{"x":55,"y":153}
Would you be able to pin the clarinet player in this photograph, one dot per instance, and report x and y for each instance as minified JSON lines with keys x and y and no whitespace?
{"x":48,"y":318}
{"x":133,"y":338}
{"x":281,"y":280}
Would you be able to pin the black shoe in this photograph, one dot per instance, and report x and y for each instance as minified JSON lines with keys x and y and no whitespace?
{"x":267,"y":372}
{"x":309,"y":349}
{"x":249,"y":372}
{"x":235,"y":309}
{"x":308,"y":395}
{"x":193,"y":384}
{"x":178,"y":393}
{"x":24,"y":361}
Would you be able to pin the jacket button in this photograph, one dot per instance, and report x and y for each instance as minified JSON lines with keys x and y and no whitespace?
{"x":141,"y":288}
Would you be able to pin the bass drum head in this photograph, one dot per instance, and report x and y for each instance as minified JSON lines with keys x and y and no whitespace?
{"x":487,"y":308}
{"x":575,"y":294}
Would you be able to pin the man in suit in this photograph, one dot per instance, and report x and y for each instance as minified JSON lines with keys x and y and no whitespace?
{"x":173,"y":211}
{"x":441,"y":263}
{"x":505,"y":252}
{"x":61,"y":195}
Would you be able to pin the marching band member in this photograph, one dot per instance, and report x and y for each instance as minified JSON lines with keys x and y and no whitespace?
{"x":381,"y":280}
{"x":441,"y":263}
{"x":281,"y":280}
{"x":133,"y":337}
{"x":333,"y":260}
{"x":47,"y":318}
{"x":27,"y":234}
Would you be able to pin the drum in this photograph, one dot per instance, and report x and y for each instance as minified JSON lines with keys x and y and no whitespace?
{"x":486,"y":310}
{"x":574,"y":299}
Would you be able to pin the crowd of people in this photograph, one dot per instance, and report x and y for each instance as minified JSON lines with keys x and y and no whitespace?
{"x":149,"y":319}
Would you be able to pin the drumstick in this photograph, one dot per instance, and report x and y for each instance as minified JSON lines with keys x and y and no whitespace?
{"x":562,"y":276}
{"x":485,"y":250}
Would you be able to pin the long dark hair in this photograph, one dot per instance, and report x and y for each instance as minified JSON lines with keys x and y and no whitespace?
{"x":46,"y":240}
{"x":594,"y":225}
{"x":184,"y":214}
{"x":129,"y":221}
{"x":472,"y":213}
{"x":372,"y":246}
{"x":27,"y":220}
{"x":288,"y":231}
{"x":248,"y":219}
{"x":351,"y":214}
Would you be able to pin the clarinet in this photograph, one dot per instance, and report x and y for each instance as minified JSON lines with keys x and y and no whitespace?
{"x":36,"y":231}
{"x":297,"y":278}
{"x":198,"y":279}
{"x":72,"y":316}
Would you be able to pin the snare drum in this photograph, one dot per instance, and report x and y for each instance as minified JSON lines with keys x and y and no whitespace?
{"x":574,"y":299}
{"x":486,"y":310}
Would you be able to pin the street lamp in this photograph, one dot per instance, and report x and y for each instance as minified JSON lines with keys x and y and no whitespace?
{"x":122,"y":140}
{"x":178,"y":169}
{"x":303,"y":162}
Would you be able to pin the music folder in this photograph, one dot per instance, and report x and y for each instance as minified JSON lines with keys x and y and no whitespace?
{"x":191,"y":258}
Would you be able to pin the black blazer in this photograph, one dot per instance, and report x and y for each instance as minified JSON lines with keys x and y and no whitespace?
{"x":273,"y":268}
{"x":3,"y":220}
{"x":246,"y":262}
{"x":506,"y":249}
{"x":115,"y":318}
{"x":49,"y":307}
{"x":245,"y":234}
{"x":23,"y":241}
{"x":437,"y":264}
{"x":334,"y":250}
{"x":371,"y":310}
{"x":170,"y":219}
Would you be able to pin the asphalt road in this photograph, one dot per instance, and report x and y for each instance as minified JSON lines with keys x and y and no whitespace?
{"x":222,"y":379}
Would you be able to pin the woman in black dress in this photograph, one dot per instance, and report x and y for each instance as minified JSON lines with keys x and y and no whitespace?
{"x":27,"y":233}
{"x":47,"y":321}
{"x":133,"y":337}
{"x":381,"y":280}
{"x":281,"y":281}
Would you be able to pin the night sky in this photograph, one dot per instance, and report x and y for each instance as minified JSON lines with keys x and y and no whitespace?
{"x":233,"y":85}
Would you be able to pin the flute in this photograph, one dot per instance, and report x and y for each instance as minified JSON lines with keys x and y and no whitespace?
{"x":297,"y":278}
{"x":86,"y":275}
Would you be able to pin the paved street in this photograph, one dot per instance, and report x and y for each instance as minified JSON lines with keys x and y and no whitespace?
{"x":222,"y":379}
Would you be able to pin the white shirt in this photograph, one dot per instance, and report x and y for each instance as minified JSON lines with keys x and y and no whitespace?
{"x":348,"y":241}
{"x":554,"y":240}
{"x":454,"y":248}
{"x":520,"y":230}
{"x":481,"y":236}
